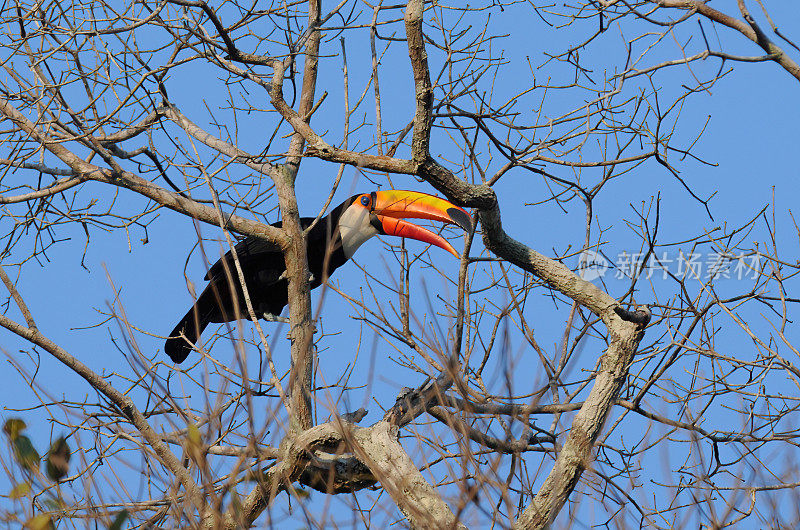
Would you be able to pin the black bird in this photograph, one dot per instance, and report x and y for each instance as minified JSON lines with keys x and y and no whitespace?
{"x":333,"y":240}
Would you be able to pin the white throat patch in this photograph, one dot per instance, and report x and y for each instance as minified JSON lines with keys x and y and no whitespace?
{"x":355,"y":228}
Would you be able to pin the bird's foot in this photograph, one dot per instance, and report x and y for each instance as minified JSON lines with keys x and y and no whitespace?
{"x":284,"y":276}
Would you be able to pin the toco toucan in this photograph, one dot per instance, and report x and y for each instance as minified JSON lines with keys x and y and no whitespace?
{"x":333,"y":240}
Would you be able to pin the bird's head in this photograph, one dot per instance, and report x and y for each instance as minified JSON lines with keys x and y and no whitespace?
{"x":384,"y":213}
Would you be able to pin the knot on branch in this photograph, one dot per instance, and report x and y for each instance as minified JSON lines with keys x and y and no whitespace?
{"x":411,"y":403}
{"x":355,"y":416}
{"x":318,"y":152}
{"x":337,"y":474}
{"x":482,"y":196}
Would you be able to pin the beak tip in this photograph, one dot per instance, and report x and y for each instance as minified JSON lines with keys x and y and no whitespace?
{"x":461,"y":218}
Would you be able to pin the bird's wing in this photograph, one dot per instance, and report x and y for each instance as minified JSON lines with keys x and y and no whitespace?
{"x":260,"y":259}
{"x":255,"y":255}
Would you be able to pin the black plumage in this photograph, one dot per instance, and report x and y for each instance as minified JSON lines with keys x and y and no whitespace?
{"x":263,"y":268}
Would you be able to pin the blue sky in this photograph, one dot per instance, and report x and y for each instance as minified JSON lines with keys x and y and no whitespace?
{"x":751,"y":138}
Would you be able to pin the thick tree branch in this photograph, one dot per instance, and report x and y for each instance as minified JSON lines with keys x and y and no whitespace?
{"x":302,"y":327}
{"x":423,"y":91}
{"x":578,"y":449}
{"x":379,"y":449}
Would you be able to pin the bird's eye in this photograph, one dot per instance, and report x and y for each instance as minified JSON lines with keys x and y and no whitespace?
{"x":365,"y":200}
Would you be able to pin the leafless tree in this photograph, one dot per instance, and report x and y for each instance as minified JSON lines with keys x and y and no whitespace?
{"x":540,"y":390}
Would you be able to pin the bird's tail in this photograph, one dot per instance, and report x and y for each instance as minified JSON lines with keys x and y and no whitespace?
{"x":188,"y":330}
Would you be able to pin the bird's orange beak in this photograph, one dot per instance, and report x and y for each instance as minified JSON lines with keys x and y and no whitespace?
{"x":391,"y":207}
